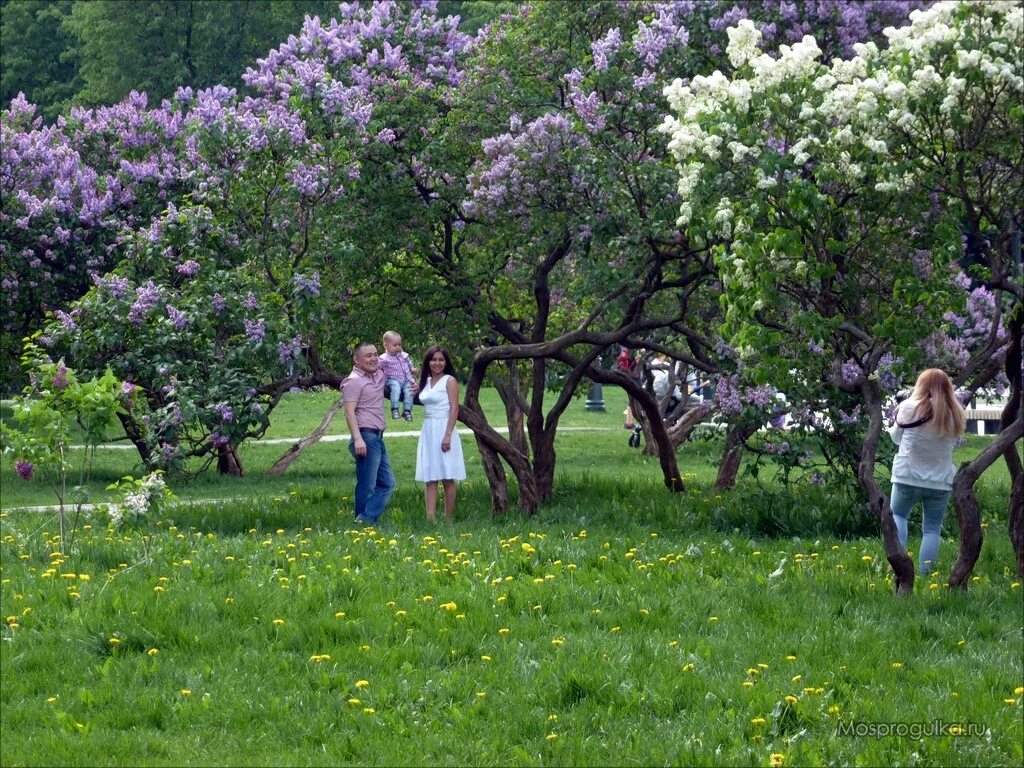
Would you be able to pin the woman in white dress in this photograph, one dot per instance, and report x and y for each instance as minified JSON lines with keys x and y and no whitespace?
{"x":439,"y":454}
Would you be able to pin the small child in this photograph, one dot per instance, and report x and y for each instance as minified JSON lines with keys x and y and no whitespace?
{"x":397,"y":366}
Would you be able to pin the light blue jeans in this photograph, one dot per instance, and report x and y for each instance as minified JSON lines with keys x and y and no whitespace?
{"x":933,"y":503}
{"x":375,"y":482}
{"x":399,"y":391}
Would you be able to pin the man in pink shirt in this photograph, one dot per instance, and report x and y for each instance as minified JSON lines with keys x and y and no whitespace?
{"x":363,"y":390}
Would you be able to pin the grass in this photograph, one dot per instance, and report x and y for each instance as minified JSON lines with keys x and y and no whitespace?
{"x":623,"y":626}
{"x":592,"y":639}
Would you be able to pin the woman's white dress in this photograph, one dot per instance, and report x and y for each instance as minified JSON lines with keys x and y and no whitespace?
{"x":432,"y":463}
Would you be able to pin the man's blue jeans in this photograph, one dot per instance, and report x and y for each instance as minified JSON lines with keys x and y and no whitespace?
{"x":399,"y":391}
{"x":933,"y":502}
{"x":375,"y":482}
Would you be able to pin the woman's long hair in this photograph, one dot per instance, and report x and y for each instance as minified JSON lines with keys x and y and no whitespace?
{"x":425,"y":369}
{"x":934,"y":400}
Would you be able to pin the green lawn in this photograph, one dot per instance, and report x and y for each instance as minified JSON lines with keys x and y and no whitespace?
{"x":622,"y":626}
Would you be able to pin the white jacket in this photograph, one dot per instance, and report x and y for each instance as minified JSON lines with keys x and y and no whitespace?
{"x":925,"y":458}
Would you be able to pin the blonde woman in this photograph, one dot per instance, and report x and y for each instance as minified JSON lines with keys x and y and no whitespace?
{"x":927,"y":427}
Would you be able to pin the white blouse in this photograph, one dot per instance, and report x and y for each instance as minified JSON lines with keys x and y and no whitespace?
{"x":925,"y":458}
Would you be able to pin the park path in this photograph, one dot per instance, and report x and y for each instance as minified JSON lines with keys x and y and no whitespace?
{"x":42,"y":509}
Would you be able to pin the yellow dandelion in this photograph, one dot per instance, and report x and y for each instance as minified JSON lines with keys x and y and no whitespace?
{"x":186,"y":692}
{"x":758,"y":721}
{"x":354,"y":702}
{"x":551,"y":736}
{"x":791,"y":658}
{"x":1009,"y":701}
{"x":362,"y":683}
{"x":339,"y":615}
{"x":51,"y":700}
{"x":558,"y":642}
{"x":481,"y":694}
{"x":158,"y":589}
{"x":791,"y":699}
{"x":713,"y":618}
{"x":552,"y":717}
{"x":897,"y":665}
{"x":833,"y":710}
{"x":616,"y":629}
{"x":1015,"y":585}
{"x":449,"y":606}
{"x":762,"y":666}
{"x":503,"y":631}
{"x":1018,"y":690}
{"x":152,"y":651}
{"x":485,"y":658}
{"x":278,"y":622}
{"x":689,"y":668}
{"x":369,"y":710}
{"x":797,"y":677}
{"x":777,"y":759}
{"x":748,"y":683}
{"x":399,"y":613}
{"x":427,"y":598}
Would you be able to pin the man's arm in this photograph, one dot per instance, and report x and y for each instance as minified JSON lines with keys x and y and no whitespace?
{"x":350,"y":419}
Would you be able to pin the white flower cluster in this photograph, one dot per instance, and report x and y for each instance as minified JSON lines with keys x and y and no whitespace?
{"x":136,"y":503}
{"x":848,"y":117}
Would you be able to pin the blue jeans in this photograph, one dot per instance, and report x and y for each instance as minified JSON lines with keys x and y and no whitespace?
{"x":399,"y":390}
{"x":933,"y":502}
{"x":375,"y":482}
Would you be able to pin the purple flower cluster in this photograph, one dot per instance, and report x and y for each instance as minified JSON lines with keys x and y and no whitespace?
{"x":289,"y":351}
{"x":255,"y":330}
{"x":60,"y":375}
{"x":178,"y":318}
{"x":189,"y":268}
{"x":24,"y":469}
{"x":146,"y":298}
{"x":519,"y":168}
{"x":113,"y":285}
{"x":306,"y":287}
{"x":224,"y":412}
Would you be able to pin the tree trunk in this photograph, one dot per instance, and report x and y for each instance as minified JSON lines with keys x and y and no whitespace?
{"x":496,"y":478}
{"x":968,"y":514}
{"x":131,"y":429}
{"x":296,"y":450}
{"x":228,"y":461}
{"x":1017,"y":521}
{"x":732,"y":455}
{"x":878,"y":502}
{"x":520,"y":464}
{"x":510,"y":393}
{"x":1013,"y":412}
{"x":655,"y":433}
{"x":544,"y":458}
{"x":694,"y":416}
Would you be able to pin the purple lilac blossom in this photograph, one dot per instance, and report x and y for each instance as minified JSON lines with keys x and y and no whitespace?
{"x":60,"y":375}
{"x":255,"y":330}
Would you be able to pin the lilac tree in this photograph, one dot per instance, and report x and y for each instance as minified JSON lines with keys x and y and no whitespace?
{"x":819,"y":256}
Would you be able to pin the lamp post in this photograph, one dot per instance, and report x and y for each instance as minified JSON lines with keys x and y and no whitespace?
{"x":595,"y":397}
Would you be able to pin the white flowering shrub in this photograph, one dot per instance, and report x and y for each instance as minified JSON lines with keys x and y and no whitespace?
{"x":140,"y":498}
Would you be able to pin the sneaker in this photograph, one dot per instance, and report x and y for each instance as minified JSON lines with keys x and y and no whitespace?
{"x":407,"y":415}
{"x":394,"y":413}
